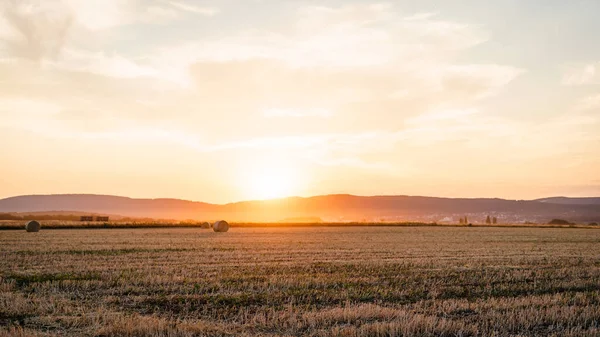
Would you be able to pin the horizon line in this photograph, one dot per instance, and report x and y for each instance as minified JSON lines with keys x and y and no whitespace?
{"x":293,"y":197}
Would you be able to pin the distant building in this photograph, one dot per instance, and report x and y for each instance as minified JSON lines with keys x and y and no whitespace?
{"x":87,"y":218}
{"x":102,"y":218}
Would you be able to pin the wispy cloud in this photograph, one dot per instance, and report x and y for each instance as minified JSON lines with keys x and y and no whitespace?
{"x":99,"y":15}
{"x":582,"y":74}
{"x":33,"y":30}
{"x":206,"y":11}
{"x":420,"y":16}
{"x":588,"y":103}
{"x":479,"y":80}
{"x":37,"y":30}
{"x":298,"y":113}
{"x":436,"y":116}
{"x":347,"y":36}
{"x":100,"y":63}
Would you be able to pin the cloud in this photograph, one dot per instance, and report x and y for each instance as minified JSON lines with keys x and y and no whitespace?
{"x":186,"y":7}
{"x":98,"y":15}
{"x":48,"y":119}
{"x":588,"y":103}
{"x":478,"y":80}
{"x":323,"y":45}
{"x":100,"y":63}
{"x":16,"y":111}
{"x":338,"y":37}
{"x":420,"y":16}
{"x":379,"y":81}
{"x":33,"y":30}
{"x":443,"y":115}
{"x":367,"y":35}
{"x":311,"y":19}
{"x":447,"y":134}
{"x":168,"y":11}
{"x":470,"y":126}
{"x":40,"y":29}
{"x":315,"y":112}
{"x":355,"y":162}
{"x":332,"y":40}
{"x":159,"y":14}
{"x":582,"y":74}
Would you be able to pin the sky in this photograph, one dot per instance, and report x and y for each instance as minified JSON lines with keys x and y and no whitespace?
{"x":223,"y":100}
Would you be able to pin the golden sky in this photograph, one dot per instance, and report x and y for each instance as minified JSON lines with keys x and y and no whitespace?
{"x":221,"y":101}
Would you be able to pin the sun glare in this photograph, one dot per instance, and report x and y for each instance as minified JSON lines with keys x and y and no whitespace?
{"x":270,"y":182}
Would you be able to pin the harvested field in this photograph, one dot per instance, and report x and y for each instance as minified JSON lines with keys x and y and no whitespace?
{"x":325,"y":281}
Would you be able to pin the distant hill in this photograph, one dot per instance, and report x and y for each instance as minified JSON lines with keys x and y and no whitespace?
{"x":327,"y":208}
{"x":104,"y":204}
{"x":571,"y":201}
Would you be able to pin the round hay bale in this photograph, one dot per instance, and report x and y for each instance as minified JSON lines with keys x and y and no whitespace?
{"x":33,"y":226}
{"x":205,"y":225}
{"x":221,"y":226}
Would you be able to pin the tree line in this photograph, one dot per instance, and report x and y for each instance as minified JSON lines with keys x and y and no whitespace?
{"x":489,"y":220}
{"x":63,"y":217}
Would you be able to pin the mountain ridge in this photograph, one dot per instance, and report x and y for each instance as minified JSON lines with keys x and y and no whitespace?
{"x":333,"y":207}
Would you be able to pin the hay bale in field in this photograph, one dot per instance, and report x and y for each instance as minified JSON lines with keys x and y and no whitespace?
{"x":33,"y":226}
{"x":205,"y":225}
{"x":221,"y":226}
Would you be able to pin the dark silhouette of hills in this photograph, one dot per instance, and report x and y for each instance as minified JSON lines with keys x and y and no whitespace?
{"x":327,"y":207}
{"x":104,"y":204}
{"x":571,"y":201}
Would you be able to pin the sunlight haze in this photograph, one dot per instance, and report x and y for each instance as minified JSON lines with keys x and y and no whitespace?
{"x":220,"y":101}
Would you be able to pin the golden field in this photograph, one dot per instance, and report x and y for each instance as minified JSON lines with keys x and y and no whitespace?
{"x":301,"y":281}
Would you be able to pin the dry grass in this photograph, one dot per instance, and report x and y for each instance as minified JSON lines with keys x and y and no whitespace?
{"x":352,"y":281}
{"x":61,"y":224}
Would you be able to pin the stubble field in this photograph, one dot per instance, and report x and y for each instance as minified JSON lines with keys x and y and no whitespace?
{"x":324,"y":281}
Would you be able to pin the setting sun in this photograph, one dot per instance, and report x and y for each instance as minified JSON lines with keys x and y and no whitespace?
{"x":269,"y":181}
